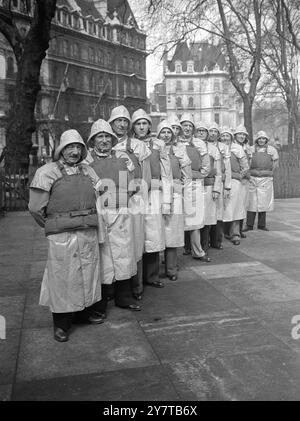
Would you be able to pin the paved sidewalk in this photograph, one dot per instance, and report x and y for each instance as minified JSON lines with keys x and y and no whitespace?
{"x":221,"y":332}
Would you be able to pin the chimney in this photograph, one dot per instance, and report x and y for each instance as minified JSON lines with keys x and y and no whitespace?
{"x":101,"y":6}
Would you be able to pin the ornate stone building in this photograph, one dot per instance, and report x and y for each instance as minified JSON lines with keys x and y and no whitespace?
{"x":196,"y":80}
{"x":96,"y":60}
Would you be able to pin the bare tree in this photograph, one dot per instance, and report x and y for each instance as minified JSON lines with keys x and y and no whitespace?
{"x":237,"y":24}
{"x":29,"y":49}
{"x":279,"y":61}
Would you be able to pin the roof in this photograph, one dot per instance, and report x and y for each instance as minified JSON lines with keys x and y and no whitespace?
{"x":202,"y":53}
{"x":124,"y":11}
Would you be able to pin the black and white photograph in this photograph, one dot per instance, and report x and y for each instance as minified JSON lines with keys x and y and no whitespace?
{"x":149,"y":203}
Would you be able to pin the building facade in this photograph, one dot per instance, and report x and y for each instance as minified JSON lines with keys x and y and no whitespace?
{"x":96,"y":60}
{"x":197,"y":81}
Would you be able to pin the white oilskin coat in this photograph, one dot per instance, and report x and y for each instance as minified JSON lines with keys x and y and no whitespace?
{"x":226,"y":182}
{"x":160,"y":194}
{"x":261,"y":189}
{"x":72,"y":278}
{"x":235,"y":206}
{"x":174,"y":223}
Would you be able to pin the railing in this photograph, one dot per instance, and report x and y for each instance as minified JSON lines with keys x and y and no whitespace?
{"x":14,"y":190}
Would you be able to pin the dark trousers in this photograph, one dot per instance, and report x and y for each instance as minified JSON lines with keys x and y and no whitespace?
{"x":216,"y":234}
{"x":204,"y":232}
{"x":241,"y":225}
{"x":151,"y":267}
{"x":261,"y":223}
{"x":187,"y":241}
{"x":226,"y":228}
{"x":123,"y":294}
{"x":64,"y":320}
{"x":171,"y":261}
{"x":136,"y":281}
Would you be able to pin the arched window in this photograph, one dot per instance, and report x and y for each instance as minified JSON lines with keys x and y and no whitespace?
{"x":10,"y":68}
{"x":217,"y":101}
{"x":191,"y":102}
{"x":179,"y":102}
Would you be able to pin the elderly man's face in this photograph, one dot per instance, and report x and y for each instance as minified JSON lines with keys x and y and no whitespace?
{"x":166,"y":135}
{"x":226,"y":138}
{"x":120,"y":126}
{"x":103,"y":142}
{"x":213,"y":135}
{"x":240,"y":137}
{"x":72,"y":153}
{"x":201,"y":133}
{"x":141,"y":128}
{"x":187,"y":128}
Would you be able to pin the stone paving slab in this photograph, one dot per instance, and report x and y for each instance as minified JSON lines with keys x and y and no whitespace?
{"x":92,"y":349}
{"x":135,"y":384}
{"x":266,"y":288}
{"x":176,"y":339}
{"x":5,"y":392}
{"x":12,"y":309}
{"x":9,"y":354}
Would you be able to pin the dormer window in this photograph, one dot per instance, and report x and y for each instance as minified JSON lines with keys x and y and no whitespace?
{"x":190,"y":67}
{"x":178,"y":66}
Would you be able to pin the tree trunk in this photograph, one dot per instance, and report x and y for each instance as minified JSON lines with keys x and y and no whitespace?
{"x":248,"y":117}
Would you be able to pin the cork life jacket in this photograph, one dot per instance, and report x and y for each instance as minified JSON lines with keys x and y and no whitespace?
{"x":261,"y":164}
{"x":235,"y":167}
{"x":209,"y":180}
{"x":109,"y":168}
{"x":155,"y":162}
{"x":176,"y":171}
{"x":194,"y":156}
{"x":134,"y":159}
{"x":72,"y":204}
{"x":223,"y":168}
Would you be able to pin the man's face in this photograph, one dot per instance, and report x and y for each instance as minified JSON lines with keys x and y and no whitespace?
{"x":120,"y":126}
{"x":141,"y":128}
{"x":226,"y":138}
{"x":103,"y":143}
{"x":176,"y":130}
{"x":201,"y":133}
{"x":72,"y":153}
{"x":240,"y":137}
{"x":262,"y":141}
{"x":166,"y":135}
{"x":213,"y":135}
{"x":187,"y":128}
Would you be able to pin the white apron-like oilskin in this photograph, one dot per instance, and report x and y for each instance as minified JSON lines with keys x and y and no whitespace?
{"x":210,"y":207}
{"x":261,"y":194}
{"x":154,"y":223}
{"x":117,"y":253}
{"x":193,"y":204}
{"x":136,"y":208}
{"x":174,"y":223}
{"x":72,"y":279}
{"x":234,"y":209}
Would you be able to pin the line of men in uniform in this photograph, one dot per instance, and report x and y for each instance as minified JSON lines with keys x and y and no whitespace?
{"x":111,"y":205}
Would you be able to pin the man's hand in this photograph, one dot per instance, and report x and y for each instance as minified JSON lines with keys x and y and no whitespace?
{"x":166,"y":209}
{"x":226,"y":194}
{"x":215,"y":195}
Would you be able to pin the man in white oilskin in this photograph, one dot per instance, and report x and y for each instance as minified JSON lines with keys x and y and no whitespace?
{"x":63,"y":196}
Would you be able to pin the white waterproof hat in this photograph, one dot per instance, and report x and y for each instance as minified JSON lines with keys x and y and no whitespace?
{"x":102,"y":126}
{"x":241,"y":129}
{"x":119,"y":112}
{"x":201,"y":125}
{"x":140,"y":114}
{"x":174,"y":120}
{"x":261,"y":133}
{"x":226,"y":129}
{"x":165,"y":125}
{"x":68,"y":137}
{"x":187,"y":117}
{"x":214,"y":125}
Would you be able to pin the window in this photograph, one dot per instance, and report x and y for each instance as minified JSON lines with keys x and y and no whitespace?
{"x":225,"y":86}
{"x":65,"y":48}
{"x":178,"y":68}
{"x":139,"y":90}
{"x":76,"y":22}
{"x":124,"y":63}
{"x":217,"y":118}
{"x":178,"y":85}
{"x":138,"y":66}
{"x":178,"y":102}
{"x":76,"y":50}
{"x":217,"y":101}
{"x":91,"y":54}
{"x":190,"y":67}
{"x":131,"y":64}
{"x":217,"y":86}
{"x":10,"y":68}
{"x":191,"y":102}
{"x":191,"y":85}
{"x":53,"y":45}
{"x":125,"y":89}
